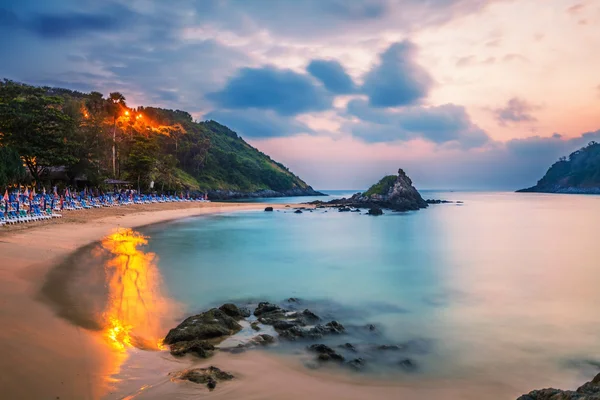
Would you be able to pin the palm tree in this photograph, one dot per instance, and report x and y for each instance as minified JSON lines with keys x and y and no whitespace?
{"x":115,"y":102}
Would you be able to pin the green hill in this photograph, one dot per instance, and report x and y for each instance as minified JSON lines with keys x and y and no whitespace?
{"x":580,"y":173}
{"x":54,"y":127}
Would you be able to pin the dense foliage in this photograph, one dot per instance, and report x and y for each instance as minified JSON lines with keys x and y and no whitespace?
{"x":580,"y":170}
{"x":93,"y":138}
{"x":383,"y":186}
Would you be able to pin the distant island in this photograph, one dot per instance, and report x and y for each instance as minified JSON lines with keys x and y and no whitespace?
{"x":579,"y":174}
{"x":394,"y":192}
{"x":53,"y":136}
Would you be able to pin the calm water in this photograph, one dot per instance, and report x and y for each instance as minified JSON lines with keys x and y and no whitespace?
{"x":502,"y":289}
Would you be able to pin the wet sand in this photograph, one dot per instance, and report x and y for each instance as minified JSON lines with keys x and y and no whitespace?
{"x":47,"y":357}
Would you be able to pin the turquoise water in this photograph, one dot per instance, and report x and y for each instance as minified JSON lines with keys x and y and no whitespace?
{"x":502,"y":289}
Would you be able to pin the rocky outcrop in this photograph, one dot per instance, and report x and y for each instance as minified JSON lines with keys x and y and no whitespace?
{"x":207,"y":376}
{"x":233,"y":194}
{"x":392,"y":192}
{"x":589,"y":391}
{"x":200,"y":348}
{"x":204,"y":334}
{"x":212,"y":324}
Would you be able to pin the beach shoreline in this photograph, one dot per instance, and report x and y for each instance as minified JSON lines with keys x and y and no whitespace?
{"x":42,"y":360}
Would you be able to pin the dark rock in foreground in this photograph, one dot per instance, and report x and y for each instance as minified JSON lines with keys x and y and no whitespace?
{"x":234,"y":311}
{"x":212,"y":324}
{"x":208,"y":376}
{"x":200,"y":348}
{"x":589,"y":391}
{"x":268,"y":208}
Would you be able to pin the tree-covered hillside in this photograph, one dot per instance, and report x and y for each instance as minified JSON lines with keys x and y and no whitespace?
{"x":92,"y":138}
{"x":580,"y":173}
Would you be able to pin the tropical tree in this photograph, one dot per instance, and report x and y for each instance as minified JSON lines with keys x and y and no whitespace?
{"x":35,"y":126}
{"x":11,"y":167}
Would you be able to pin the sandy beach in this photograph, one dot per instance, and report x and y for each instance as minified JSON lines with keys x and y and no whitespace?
{"x":48,"y":357}
{"x":45,"y":356}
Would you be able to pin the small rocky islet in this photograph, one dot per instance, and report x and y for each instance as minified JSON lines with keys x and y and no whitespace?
{"x":392,"y":192}
{"x":325,"y":341}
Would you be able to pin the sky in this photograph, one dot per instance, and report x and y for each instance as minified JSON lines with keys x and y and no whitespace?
{"x":461,"y":94}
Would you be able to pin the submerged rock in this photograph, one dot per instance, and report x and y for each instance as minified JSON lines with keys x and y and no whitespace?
{"x":255,"y":326}
{"x":208,"y":376}
{"x":200,"y":348}
{"x":298,"y":212}
{"x":268,"y":208}
{"x":589,"y":391}
{"x":212,"y":324}
{"x":357,"y":364}
{"x":326,"y":353}
{"x":375,"y":211}
{"x":407,"y":364}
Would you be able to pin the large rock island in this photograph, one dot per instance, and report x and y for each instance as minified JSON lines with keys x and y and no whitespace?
{"x":589,"y":391}
{"x":394,"y":192}
{"x":580,"y":173}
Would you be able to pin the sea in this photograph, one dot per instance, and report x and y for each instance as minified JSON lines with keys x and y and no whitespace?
{"x":502,"y":288}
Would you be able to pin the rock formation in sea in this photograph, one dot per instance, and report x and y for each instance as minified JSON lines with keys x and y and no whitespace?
{"x":290,"y":324}
{"x":589,"y":391}
{"x":395,"y":192}
{"x":579,"y":173}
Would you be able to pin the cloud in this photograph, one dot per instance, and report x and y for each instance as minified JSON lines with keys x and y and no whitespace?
{"x":575,"y":8}
{"x":445,"y":124}
{"x":253,"y":123}
{"x":465,"y":61}
{"x":514,"y":57}
{"x":516,"y":110}
{"x":321,"y":19}
{"x":281,"y":90}
{"x":348,"y":163}
{"x":75,"y":24}
{"x":333,"y":76}
{"x":397,"y":80}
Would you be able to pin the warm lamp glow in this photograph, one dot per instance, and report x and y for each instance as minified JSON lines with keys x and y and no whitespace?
{"x":126,"y":112}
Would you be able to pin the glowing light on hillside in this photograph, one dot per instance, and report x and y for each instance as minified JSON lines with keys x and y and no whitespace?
{"x":134,"y":302}
{"x":126,"y":112}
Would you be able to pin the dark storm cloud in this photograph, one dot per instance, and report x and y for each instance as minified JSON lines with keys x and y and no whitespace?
{"x":281,"y":90}
{"x":333,"y":76}
{"x":397,"y":80}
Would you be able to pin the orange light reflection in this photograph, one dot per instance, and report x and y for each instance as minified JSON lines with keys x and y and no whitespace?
{"x":135,"y":306}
